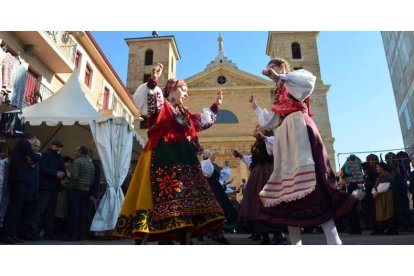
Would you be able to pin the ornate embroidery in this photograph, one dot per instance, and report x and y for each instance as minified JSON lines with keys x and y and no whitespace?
{"x":168,"y":184}
{"x":155,"y":103}
{"x":181,"y":190}
{"x":142,"y":221}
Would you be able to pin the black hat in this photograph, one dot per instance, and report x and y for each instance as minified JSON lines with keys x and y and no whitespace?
{"x":28,"y":136}
{"x":58,"y":143}
{"x":384,"y":166}
{"x":366,"y":165}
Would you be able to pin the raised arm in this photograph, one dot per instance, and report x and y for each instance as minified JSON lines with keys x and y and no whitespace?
{"x":148,"y":97}
{"x":209,"y":115}
{"x":267,"y":120}
{"x":247,"y":159}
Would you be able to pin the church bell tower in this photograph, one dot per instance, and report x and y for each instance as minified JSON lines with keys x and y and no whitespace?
{"x":300,"y":50}
{"x":144,"y":53}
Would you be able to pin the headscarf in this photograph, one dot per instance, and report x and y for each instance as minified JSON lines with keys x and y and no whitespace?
{"x":171,"y":85}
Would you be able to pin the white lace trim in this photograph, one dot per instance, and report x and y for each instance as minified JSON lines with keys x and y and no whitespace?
{"x":295,"y":196}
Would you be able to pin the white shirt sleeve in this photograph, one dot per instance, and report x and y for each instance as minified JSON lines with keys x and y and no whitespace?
{"x":207,"y":116}
{"x":267,"y":120}
{"x":247,"y":159}
{"x":299,"y":83}
{"x":225,"y":174}
{"x":382,"y":187}
{"x":140,"y":97}
{"x":207,"y":168}
{"x":269,"y":144}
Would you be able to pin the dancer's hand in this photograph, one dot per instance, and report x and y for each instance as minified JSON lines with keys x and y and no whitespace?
{"x":219,"y":97}
{"x":157,"y":71}
{"x":270,"y":73}
{"x":258,"y":135}
{"x":237,"y":154}
{"x":253,"y":101}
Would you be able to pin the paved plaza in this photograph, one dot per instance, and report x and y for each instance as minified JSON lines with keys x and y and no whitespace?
{"x":404,"y":238}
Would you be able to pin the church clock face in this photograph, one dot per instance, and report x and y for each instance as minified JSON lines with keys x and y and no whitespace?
{"x":221,"y":80}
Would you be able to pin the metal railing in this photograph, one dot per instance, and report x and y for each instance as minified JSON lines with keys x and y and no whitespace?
{"x":65,"y":43}
{"x":111,"y":102}
{"x":35,"y":91}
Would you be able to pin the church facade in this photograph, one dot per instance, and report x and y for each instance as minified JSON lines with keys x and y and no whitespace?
{"x":236,"y":120}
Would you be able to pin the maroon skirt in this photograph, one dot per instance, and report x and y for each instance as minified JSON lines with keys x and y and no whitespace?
{"x":324,"y":203}
{"x":252,"y":206}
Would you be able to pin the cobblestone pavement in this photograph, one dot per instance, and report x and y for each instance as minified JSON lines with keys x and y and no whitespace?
{"x":404,"y":238}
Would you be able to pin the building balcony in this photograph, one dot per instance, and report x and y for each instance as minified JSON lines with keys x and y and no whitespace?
{"x":107,"y":104}
{"x":35,"y":91}
{"x":55,"y":49}
{"x":110,"y":105}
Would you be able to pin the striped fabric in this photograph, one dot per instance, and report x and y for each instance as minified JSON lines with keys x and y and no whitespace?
{"x":288,"y":189}
{"x":293,"y":176}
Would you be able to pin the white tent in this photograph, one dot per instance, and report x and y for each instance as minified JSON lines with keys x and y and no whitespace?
{"x":67,"y":106}
{"x":112,"y":136}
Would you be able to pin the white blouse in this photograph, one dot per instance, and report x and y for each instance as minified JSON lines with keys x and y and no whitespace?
{"x":149,"y":102}
{"x":207,"y":168}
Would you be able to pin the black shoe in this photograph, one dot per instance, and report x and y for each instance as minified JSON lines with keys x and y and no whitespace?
{"x":223,"y":240}
{"x":165,"y":242}
{"x":50,"y":236}
{"x":200,"y":239}
{"x":391,"y":232}
{"x":17,"y":239}
{"x":30,"y":237}
{"x":355,"y":232}
{"x":281,"y":240}
{"x":7,"y":240}
{"x":376,"y":232}
{"x":69,"y":238}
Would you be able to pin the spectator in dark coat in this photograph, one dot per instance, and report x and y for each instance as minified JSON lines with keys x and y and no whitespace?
{"x":368,"y":202}
{"x":82,"y":178}
{"x":52,"y":170}
{"x":20,"y":178}
{"x":26,"y":230}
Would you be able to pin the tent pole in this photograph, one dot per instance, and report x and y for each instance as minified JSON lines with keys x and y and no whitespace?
{"x":53,"y":134}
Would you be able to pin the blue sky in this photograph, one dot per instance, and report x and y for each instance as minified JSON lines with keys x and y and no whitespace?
{"x":361,"y":101}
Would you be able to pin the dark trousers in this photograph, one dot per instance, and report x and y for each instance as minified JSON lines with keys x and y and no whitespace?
{"x":353,"y":217}
{"x":370,"y":211}
{"x":91,"y":211}
{"x":27,"y":218}
{"x":14,"y":210}
{"x":44,"y":214}
{"x":78,"y":218}
{"x":403,"y":206}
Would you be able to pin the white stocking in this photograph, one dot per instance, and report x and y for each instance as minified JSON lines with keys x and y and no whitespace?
{"x":331,"y":234}
{"x":295,"y":235}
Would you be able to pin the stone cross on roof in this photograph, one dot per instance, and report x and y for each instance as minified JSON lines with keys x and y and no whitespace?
{"x":221,"y":57}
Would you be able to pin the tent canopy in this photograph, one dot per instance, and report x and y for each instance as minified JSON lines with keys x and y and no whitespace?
{"x":112,"y":136}
{"x":67,"y":106}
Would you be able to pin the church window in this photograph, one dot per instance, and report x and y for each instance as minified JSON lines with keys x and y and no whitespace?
{"x":226,"y":117}
{"x":149,"y":56}
{"x":296,"y":54}
{"x":221,"y":80}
